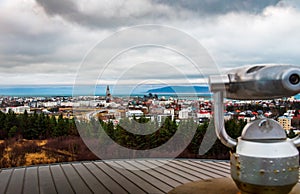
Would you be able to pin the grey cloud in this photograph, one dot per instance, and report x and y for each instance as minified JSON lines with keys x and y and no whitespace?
{"x":28,"y":44}
{"x":21,"y":50}
{"x":69,"y":10}
{"x":122,"y":13}
{"x":212,"y":7}
{"x":64,"y":7}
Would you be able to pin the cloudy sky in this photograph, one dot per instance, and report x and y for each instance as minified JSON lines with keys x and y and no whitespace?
{"x":59,"y":42}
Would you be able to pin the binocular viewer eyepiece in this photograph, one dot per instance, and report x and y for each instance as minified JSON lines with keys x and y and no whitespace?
{"x":258,"y":82}
{"x":294,"y":79}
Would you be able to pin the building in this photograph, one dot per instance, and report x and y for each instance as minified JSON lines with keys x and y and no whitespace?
{"x":136,"y":113}
{"x":169,"y":111}
{"x":49,"y":104}
{"x":285,"y":122}
{"x":289,"y":113}
{"x":18,"y":109}
{"x":162,"y":117}
{"x":183,"y":114}
{"x":108,"y":95}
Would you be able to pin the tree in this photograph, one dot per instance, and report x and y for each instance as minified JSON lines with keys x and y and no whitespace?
{"x":13,"y":131}
{"x":61,"y":128}
{"x":234,"y":127}
{"x":24,"y":123}
{"x":41,"y":125}
{"x":291,"y":134}
{"x":52,"y":127}
{"x":3,"y":133}
{"x":73,"y":129}
{"x":10,"y":121}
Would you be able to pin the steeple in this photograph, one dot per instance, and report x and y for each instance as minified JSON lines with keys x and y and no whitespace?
{"x":108,"y":95}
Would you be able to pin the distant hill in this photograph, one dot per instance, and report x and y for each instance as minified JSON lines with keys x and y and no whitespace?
{"x":180,"y":90}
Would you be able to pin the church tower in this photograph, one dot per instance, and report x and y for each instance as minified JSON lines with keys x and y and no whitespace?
{"x":108,"y":95}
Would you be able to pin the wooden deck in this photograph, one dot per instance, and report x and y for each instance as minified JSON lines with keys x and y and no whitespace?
{"x":110,"y":176}
{"x":117,"y":176}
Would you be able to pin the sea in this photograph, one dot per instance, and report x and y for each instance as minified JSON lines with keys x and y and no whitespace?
{"x":100,"y":90}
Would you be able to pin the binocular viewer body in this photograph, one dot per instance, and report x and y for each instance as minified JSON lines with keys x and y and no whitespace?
{"x":265,"y":161}
{"x":258,"y":82}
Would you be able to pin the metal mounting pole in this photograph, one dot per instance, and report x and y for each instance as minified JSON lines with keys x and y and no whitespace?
{"x":219,"y":121}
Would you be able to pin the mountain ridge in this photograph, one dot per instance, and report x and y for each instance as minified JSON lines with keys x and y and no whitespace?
{"x":180,"y":89}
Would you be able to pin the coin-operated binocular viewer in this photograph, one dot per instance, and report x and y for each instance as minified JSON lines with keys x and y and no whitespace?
{"x":265,"y":160}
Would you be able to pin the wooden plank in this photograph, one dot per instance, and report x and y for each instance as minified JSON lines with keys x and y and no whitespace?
{"x":46,"y":180}
{"x":144,"y":175}
{"x":60,"y":180}
{"x":176,"y":171}
{"x":217,"y":170}
{"x":128,"y":185}
{"x":207,"y":169}
{"x":76,"y":181}
{"x":16,"y":181}
{"x":5,"y":176}
{"x":225,"y":166}
{"x":167,"y":180}
{"x":106,"y":180}
{"x":137,"y":180}
{"x":166,"y":172}
{"x":212,"y":165}
{"x":202,"y":173}
{"x":90,"y":180}
{"x":194,"y":170}
{"x":31,"y":182}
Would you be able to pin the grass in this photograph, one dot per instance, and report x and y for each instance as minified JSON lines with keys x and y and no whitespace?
{"x":31,"y":152}
{"x":38,"y":158}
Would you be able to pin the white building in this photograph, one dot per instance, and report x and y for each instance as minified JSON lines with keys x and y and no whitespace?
{"x":169,"y":111}
{"x":68,"y":104}
{"x":183,"y":114}
{"x":204,"y":115}
{"x":132,"y":113}
{"x":289,"y":113}
{"x":18,"y":109}
{"x":50,"y":104}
